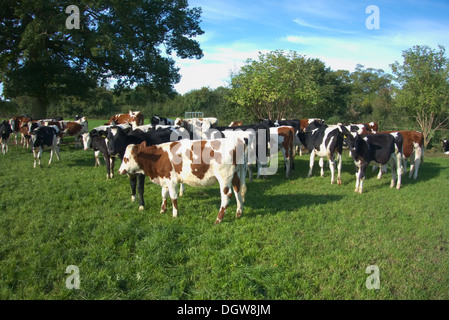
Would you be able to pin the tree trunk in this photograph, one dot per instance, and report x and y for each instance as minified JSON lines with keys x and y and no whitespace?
{"x":39,"y":109}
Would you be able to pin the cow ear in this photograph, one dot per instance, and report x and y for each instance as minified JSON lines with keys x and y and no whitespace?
{"x":143,"y":144}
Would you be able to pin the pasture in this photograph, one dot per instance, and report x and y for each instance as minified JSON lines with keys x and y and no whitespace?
{"x":301,"y":238}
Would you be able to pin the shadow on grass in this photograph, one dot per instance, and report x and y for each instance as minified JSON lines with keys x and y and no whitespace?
{"x":272,"y":204}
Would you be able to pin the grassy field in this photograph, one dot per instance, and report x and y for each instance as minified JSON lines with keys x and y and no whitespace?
{"x":301,"y":238}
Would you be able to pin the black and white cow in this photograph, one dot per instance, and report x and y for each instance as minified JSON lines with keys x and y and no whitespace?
{"x":117,"y":140}
{"x":323,"y":141}
{"x":44,"y":136}
{"x":445,"y":146}
{"x":161,"y":120}
{"x":5,"y":133}
{"x":380,"y":149}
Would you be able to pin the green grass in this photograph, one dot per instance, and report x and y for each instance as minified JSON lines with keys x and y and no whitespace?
{"x":300,"y":238}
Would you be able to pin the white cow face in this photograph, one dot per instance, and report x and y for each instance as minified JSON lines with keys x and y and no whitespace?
{"x":86,"y":141}
{"x":129,"y":164}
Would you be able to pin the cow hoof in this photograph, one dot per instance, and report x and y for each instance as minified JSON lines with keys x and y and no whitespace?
{"x":238,"y":214}
{"x":133,"y":198}
{"x":339,"y":182}
{"x":217,"y":221}
{"x":360,"y":191}
{"x":141,"y":208}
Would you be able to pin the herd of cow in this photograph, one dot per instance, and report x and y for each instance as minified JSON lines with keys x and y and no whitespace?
{"x":198,"y":152}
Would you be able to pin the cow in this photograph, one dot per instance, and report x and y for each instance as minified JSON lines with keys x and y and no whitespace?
{"x":155,"y":120}
{"x":44,"y":136}
{"x":285,"y":140}
{"x":198,"y":163}
{"x":134,"y":118}
{"x":16,"y":123}
{"x":202,"y":124}
{"x":381,"y":149}
{"x":445,"y":143}
{"x":118,"y":139}
{"x":413,"y":149}
{"x":257,"y":136}
{"x":323,"y":141}
{"x":235,"y":123}
{"x":5,"y":133}
{"x":298,"y":124}
{"x":96,"y":140}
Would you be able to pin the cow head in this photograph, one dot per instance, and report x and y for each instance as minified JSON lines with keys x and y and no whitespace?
{"x":86,"y":140}
{"x":115,"y":141}
{"x":129,"y":164}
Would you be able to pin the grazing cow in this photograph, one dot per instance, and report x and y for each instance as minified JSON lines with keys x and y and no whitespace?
{"x":155,"y":120}
{"x":44,"y":136}
{"x":445,"y":146}
{"x":381,"y":149}
{"x":135,"y":118}
{"x":5,"y":133}
{"x":323,"y":141}
{"x":198,"y":163}
{"x":285,"y":138}
{"x":118,"y":139}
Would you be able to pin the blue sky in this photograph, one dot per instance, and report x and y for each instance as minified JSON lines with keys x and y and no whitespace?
{"x":332,"y":31}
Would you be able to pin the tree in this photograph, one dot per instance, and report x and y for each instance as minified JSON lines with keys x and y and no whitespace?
{"x":423,"y":87}
{"x":276,"y":86}
{"x":124,"y":40}
{"x":366,"y":86}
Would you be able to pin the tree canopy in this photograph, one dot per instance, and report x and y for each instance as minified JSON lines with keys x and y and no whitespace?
{"x":423,"y":87}
{"x":130,"y":41}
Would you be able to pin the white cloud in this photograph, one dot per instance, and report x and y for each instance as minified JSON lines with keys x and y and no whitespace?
{"x":213,"y":70}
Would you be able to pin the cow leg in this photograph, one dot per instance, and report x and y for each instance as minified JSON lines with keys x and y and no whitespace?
{"x":239,"y":187}
{"x":133,"y":185}
{"x":417,"y":157}
{"x":357,"y":180}
{"x":107,"y":162}
{"x":360,"y":178}
{"x":287,"y":160}
{"x":339,"y":159}
{"x":321,"y":163}
{"x":312,"y":159}
{"x":165,"y":193}
{"x":174,"y":198}
{"x":181,"y":189}
{"x":332,"y":168}
{"x":140,"y":189}
{"x":111,"y":168}
{"x":225,"y":195}
{"x":97,"y":159}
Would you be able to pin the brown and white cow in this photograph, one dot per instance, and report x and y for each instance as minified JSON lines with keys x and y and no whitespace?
{"x":235,"y":123}
{"x":285,"y":141}
{"x":134,"y":118}
{"x":198,"y":163}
